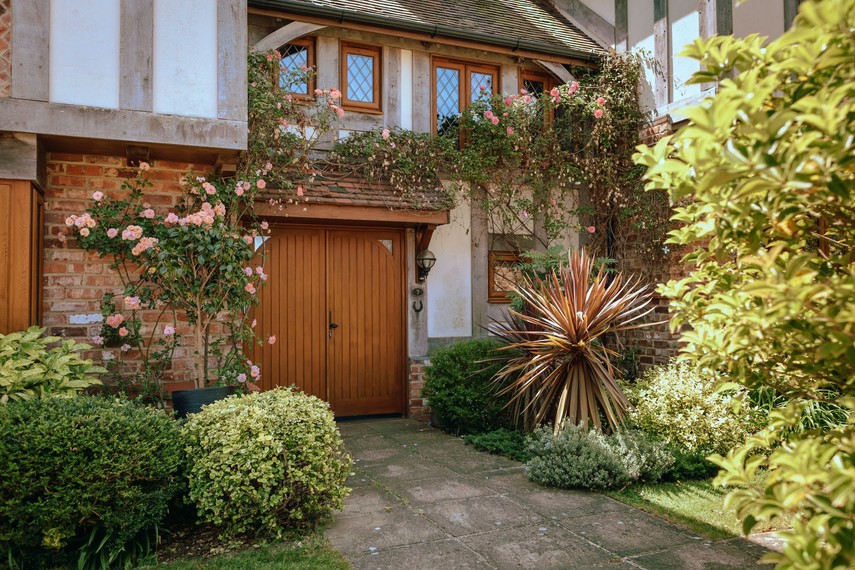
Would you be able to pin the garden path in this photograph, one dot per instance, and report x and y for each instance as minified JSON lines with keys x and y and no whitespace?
{"x":423,"y":499}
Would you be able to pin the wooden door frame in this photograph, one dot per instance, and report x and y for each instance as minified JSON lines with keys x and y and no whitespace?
{"x":331,"y":225}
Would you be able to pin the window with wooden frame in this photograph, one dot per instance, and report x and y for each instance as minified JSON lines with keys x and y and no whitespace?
{"x":537,"y":83}
{"x":361,"y":87}
{"x":454,"y":86}
{"x":503,"y":273}
{"x":297,"y":55}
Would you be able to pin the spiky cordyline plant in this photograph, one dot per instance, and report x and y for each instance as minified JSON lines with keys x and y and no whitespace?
{"x":554,"y":364}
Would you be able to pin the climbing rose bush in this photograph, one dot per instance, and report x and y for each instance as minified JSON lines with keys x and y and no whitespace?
{"x":196,"y":261}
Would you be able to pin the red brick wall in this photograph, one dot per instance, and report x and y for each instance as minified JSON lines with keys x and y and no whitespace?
{"x":75,"y":281}
{"x":654,"y":344}
{"x":5,"y":48}
{"x":417,"y":407}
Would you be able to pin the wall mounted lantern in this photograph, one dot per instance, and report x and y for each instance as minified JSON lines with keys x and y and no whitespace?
{"x":425,"y":260}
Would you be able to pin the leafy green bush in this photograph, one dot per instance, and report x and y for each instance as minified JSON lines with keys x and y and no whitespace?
{"x":765,"y":177}
{"x":84,"y":479}
{"x":507,"y":442}
{"x":265,"y":462}
{"x":682,"y":406}
{"x":689,"y":465}
{"x":575,"y":458}
{"x":460,"y":390}
{"x":644,"y":458}
{"x":29,"y":369}
{"x":581,"y":458}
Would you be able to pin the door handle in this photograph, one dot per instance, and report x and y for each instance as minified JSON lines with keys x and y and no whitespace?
{"x":332,"y":325}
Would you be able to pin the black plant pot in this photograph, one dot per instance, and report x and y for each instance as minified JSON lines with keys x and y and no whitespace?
{"x":191,"y":401}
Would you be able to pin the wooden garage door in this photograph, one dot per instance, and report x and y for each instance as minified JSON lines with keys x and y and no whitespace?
{"x":334,"y":300}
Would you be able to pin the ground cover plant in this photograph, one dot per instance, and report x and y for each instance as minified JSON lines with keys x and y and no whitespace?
{"x":764,"y":177}
{"x":266,"y":463}
{"x":31,"y":368}
{"x":84,"y":480}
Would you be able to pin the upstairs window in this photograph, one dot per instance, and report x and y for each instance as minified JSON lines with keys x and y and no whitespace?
{"x":360,"y":77}
{"x":297,"y":55}
{"x":455,"y":86}
{"x":538,"y":84}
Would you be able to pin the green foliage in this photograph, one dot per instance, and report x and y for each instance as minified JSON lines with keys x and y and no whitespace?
{"x":266,"y":462}
{"x":766,"y":171}
{"x":502,"y":441}
{"x":555,"y":363}
{"x":575,"y":458}
{"x":84,"y":479}
{"x":580,"y":458}
{"x":680,"y":404}
{"x":29,"y":369}
{"x":460,"y":390}
{"x":689,"y":465}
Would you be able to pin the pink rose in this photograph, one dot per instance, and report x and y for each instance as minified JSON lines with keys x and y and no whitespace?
{"x":249,"y":288}
{"x":169,"y":330}
{"x":239,"y":190}
{"x":271,"y":339}
{"x":495,"y":120}
{"x":339,"y":111}
{"x":601,"y":100}
{"x":144,"y":166}
{"x":115,"y":320}
{"x":259,"y":270}
{"x":97,"y":196}
{"x":247,"y":240}
{"x":148,"y":213}
{"x":123,"y":332}
{"x":385,"y":133}
{"x":125,"y":347}
{"x":254,"y":371}
{"x":510,"y":131}
{"x":84,"y":232}
{"x":172,"y":218}
{"x":598,"y":113}
{"x":264,"y":225}
{"x":112,"y":232}
{"x":98,"y":340}
{"x":132,"y":303}
{"x":248,"y":271}
{"x":300,"y":191}
{"x":241,"y":378}
{"x":554,"y":92}
{"x":261,"y":184}
{"x":591,"y":229}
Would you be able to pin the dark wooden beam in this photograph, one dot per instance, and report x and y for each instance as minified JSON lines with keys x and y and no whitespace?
{"x":621,"y":25}
{"x":662,"y":53}
{"x":344,"y":213}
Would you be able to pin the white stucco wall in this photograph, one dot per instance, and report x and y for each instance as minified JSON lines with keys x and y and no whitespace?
{"x":185,"y":58}
{"x":84,"y":52}
{"x":406,"y":80}
{"x":640,"y":37}
{"x":449,"y":285}
{"x":684,"y":20}
{"x":764,"y":17}
{"x":605,"y":8}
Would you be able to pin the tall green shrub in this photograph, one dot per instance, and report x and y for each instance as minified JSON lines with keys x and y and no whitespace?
{"x":84,"y":479}
{"x":266,"y":462}
{"x":30,"y":369}
{"x":460,"y":390}
{"x":764,"y":175}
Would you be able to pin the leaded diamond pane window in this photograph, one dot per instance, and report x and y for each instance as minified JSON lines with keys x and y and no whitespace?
{"x":481,"y":85}
{"x":360,"y":78}
{"x":294,"y":58}
{"x":534,"y":88}
{"x":447,"y":99}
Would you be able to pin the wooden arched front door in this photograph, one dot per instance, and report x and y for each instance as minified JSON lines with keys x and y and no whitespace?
{"x":335,"y":301}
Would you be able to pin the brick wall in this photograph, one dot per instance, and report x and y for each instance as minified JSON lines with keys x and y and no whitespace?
{"x":75,"y":281}
{"x":417,"y":406}
{"x":5,"y":48}
{"x":655,"y":344}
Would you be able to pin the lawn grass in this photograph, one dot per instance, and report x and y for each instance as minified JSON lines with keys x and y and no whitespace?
{"x":696,"y":505}
{"x":310,"y":553}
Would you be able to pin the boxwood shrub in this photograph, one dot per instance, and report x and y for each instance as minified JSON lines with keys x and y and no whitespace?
{"x":460,"y":390}
{"x":84,"y":479}
{"x":266,"y":462}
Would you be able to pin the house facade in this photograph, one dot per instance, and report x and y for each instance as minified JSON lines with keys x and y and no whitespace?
{"x":89,"y":89}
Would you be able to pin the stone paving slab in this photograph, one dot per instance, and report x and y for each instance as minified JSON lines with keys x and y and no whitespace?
{"x":424,"y":499}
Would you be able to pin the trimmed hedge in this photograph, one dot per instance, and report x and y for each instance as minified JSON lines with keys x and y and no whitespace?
{"x":84,"y":479}
{"x":460,"y":390}
{"x":266,"y":462}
